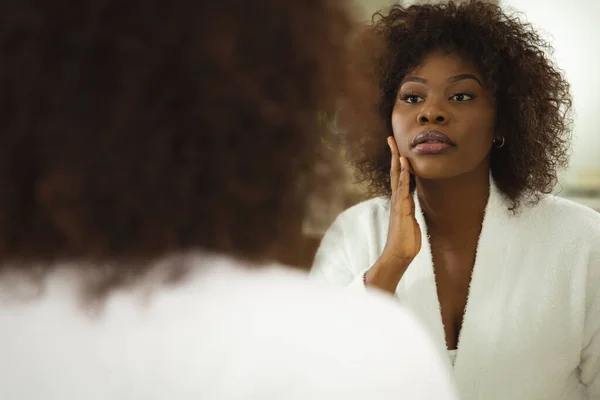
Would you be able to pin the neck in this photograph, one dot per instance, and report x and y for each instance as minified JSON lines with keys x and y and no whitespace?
{"x":455,"y":205}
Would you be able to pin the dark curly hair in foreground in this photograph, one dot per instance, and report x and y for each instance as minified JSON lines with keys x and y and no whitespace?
{"x":532,"y":96}
{"x":134,"y":129}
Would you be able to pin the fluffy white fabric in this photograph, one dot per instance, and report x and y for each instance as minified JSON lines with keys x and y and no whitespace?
{"x":226,"y":332}
{"x":531,"y":328}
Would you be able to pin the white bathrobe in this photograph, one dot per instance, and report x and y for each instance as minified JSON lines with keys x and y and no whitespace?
{"x":229,"y":331}
{"x":531,"y":328}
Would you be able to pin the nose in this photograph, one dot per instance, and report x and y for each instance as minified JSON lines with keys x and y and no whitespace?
{"x":432,"y":113}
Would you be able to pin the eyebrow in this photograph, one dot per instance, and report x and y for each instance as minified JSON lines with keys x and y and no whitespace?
{"x":452,"y":79}
{"x":463,"y":77}
{"x":413,"y":79}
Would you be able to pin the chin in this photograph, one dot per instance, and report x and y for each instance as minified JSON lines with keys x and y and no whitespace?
{"x":434,"y":169}
{"x":434,"y":175}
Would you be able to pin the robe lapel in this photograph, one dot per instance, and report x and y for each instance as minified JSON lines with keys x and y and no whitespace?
{"x":474,"y":354}
{"x":418,"y":289}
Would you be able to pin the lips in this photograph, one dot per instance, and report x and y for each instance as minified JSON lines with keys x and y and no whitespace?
{"x":432,"y":142}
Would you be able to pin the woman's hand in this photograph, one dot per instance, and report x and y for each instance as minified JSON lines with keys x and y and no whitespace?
{"x":404,"y":234}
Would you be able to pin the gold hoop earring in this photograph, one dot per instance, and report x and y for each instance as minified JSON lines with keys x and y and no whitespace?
{"x":499,"y":142}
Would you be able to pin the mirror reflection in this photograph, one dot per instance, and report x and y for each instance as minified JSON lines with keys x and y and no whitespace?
{"x":472,"y":215}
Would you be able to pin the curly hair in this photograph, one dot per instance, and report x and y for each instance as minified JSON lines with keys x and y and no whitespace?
{"x":135,"y":129}
{"x":532,"y":96}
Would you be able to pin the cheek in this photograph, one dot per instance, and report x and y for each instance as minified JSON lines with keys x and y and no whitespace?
{"x":481,"y":131}
{"x":400,"y":127}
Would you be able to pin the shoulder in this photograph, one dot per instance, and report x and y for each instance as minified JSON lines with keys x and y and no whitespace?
{"x":308,"y":310}
{"x":335,"y":334}
{"x":568,"y":217}
{"x":289,"y":294}
{"x":569,"y":228}
{"x":367,"y":208}
{"x":348,"y":344}
{"x":367,"y":213}
{"x":355,"y":239}
{"x":234,"y":321}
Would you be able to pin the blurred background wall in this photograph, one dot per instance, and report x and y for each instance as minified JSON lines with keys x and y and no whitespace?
{"x":571,"y":27}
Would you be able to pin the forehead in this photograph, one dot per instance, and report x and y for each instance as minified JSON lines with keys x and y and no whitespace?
{"x":443,"y":65}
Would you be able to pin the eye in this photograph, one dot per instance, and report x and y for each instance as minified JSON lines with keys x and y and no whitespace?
{"x":411,"y":98}
{"x":461,"y":97}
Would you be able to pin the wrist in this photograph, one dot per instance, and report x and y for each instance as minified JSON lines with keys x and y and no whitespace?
{"x":392,"y":264}
{"x":386,"y":273}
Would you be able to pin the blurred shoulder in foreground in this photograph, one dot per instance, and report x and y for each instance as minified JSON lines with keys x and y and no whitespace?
{"x":230,"y":331}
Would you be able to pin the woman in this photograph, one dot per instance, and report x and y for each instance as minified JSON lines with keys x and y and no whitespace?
{"x":504,"y":274}
{"x":153,"y":155}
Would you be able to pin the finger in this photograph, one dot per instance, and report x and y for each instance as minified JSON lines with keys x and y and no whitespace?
{"x":411,"y":171}
{"x":408,"y":206}
{"x":393,"y":146}
{"x":395,"y":165}
{"x":411,"y":201}
{"x":404,"y":183}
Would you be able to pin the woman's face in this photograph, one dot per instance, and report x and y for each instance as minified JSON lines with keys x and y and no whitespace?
{"x":444,"y":118}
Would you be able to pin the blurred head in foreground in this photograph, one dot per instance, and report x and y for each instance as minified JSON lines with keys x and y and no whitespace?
{"x":131,"y":130}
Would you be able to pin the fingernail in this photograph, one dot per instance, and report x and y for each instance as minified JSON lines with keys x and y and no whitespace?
{"x":401,"y":164}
